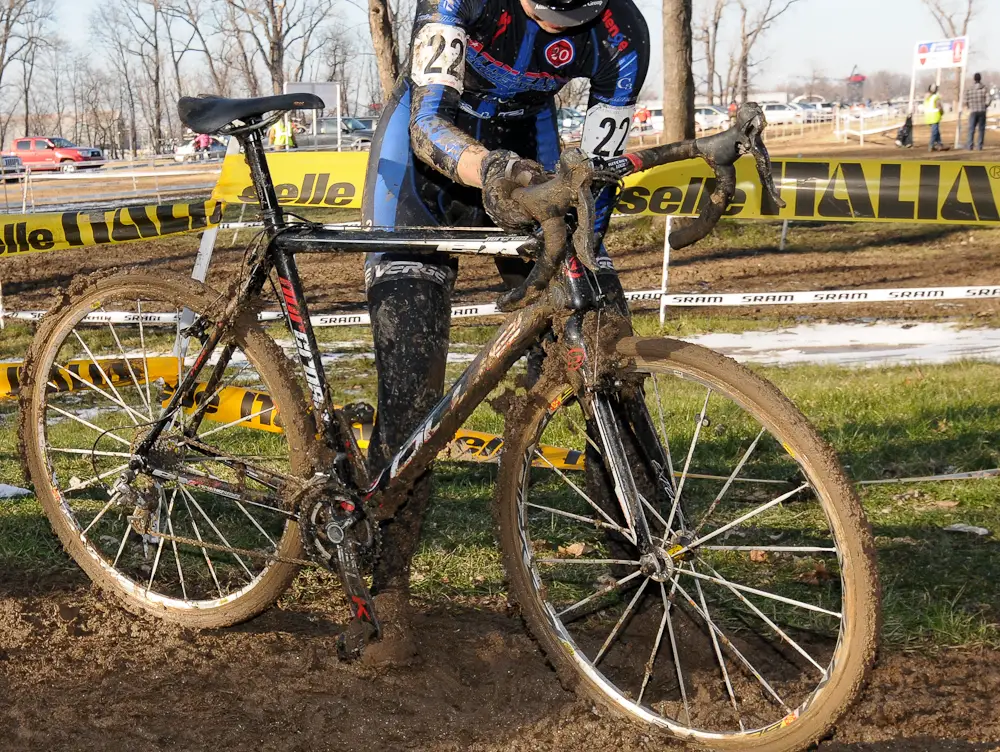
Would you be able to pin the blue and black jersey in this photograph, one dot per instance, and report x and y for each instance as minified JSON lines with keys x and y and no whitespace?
{"x":482,"y":72}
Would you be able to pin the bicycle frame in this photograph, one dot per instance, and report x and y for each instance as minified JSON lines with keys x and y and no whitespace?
{"x":518,"y":333}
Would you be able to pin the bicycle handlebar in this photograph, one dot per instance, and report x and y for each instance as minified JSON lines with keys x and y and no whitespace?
{"x":570,"y":187}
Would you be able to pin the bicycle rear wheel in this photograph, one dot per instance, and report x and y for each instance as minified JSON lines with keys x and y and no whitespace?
{"x":761,"y":628}
{"x":198,"y":537}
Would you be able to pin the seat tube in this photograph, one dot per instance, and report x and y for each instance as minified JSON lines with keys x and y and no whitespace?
{"x":260,"y":174}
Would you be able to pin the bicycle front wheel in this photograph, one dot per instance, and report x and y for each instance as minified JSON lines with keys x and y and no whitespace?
{"x":760,"y":627}
{"x":202,"y":536}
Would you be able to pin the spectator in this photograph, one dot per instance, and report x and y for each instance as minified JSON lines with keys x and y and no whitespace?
{"x":977,"y":101}
{"x":642,"y":116}
{"x":733,"y":107}
{"x":933,"y":114}
{"x":281,"y":135}
{"x":202,"y":144}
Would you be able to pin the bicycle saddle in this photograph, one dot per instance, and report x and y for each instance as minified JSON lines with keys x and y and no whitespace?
{"x":209,"y":114}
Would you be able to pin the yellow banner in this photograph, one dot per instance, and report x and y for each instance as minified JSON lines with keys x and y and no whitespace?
{"x":828,"y":190}
{"x":37,"y":233}
{"x":77,"y":374}
{"x":301,"y":178}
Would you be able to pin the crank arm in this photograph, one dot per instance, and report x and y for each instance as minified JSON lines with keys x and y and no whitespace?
{"x":364,"y":625}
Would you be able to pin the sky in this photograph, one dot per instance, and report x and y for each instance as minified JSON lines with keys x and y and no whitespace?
{"x":831,"y":36}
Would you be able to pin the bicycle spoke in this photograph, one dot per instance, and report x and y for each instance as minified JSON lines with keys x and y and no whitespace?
{"x":162,"y":540}
{"x":647,"y":673}
{"x":663,"y":426}
{"x":113,"y":500}
{"x":740,"y":520}
{"x":236,"y":422}
{"x":177,"y":557}
{"x":582,"y":495}
{"x":746,"y":602}
{"x":580,"y":518}
{"x":91,"y":426}
{"x":88,"y":452}
{"x":621,"y":620}
{"x":603,"y":591}
{"x":687,"y":462}
{"x":257,"y":525}
{"x":128,"y":364}
{"x":96,"y":479}
{"x":775,"y":549}
{"x":216,"y":530}
{"x":197,"y":534}
{"x":719,"y":658}
{"x":668,"y":607}
{"x":93,"y":387}
{"x":761,"y":593}
{"x":730,"y":646}
{"x":145,"y":359}
{"x":108,"y":377}
{"x":715,"y":502}
{"x":606,"y":562}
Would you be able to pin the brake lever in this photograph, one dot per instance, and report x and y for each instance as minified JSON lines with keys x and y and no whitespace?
{"x":751,"y":141}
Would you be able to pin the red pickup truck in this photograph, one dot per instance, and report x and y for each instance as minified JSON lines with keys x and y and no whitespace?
{"x":54,"y":154}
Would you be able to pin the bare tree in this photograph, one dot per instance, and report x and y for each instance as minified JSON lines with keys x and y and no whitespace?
{"x":678,"y":70}
{"x":751,"y":30}
{"x":20,"y":24}
{"x":107,"y":26}
{"x":708,"y":37}
{"x":954,"y":21}
{"x":380,"y":19}
{"x":282,"y":31}
{"x":193,"y":13}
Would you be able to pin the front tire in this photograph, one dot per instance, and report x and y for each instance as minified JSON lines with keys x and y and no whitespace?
{"x":679,"y":653}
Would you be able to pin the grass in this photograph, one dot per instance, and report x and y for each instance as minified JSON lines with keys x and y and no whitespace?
{"x":940,"y":587}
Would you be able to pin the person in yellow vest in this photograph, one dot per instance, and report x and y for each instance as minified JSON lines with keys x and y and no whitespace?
{"x":281,"y":135}
{"x":933,"y":113}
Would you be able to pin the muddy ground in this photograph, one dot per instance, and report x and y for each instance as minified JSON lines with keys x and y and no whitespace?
{"x":79,"y":673}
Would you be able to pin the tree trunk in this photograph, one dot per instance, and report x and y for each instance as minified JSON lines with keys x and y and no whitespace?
{"x":678,"y":73}
{"x":384,"y":41}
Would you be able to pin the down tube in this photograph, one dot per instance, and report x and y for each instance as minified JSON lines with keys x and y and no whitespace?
{"x":482,"y":376}
{"x":297,"y":317}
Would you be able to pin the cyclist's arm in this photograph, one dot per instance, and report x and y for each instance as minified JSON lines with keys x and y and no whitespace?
{"x":437,"y":72}
{"x":614,"y":91}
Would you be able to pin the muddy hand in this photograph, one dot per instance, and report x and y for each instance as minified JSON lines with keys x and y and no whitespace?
{"x":750,"y":121}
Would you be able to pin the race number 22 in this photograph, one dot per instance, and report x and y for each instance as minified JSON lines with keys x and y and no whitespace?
{"x":439,"y":56}
{"x":605,"y":130}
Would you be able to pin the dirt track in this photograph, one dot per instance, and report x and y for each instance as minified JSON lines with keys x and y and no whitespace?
{"x":76,"y":672}
{"x":79,"y":673}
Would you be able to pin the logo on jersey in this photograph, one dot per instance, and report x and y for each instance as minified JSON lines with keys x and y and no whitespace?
{"x":617,"y":38}
{"x":560,"y":53}
{"x":502,"y":24}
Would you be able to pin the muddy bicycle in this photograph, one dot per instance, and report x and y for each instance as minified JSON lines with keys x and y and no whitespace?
{"x":709,"y":573}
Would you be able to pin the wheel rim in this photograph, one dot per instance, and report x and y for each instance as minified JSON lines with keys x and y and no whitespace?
{"x":107,"y":381}
{"x":771,"y":585}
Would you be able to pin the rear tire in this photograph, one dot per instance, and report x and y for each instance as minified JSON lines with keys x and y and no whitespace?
{"x":198,"y":593}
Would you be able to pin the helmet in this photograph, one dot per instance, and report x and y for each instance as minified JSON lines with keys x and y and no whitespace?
{"x":933,"y":88}
{"x":567,"y":12}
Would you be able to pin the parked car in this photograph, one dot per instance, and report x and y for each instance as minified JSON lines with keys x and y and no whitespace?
{"x":783,"y":114}
{"x":187,"y":153}
{"x":370,"y":122}
{"x":708,"y":118}
{"x":13,"y":168}
{"x":54,"y":154}
{"x":353,"y":135}
{"x":570,"y":123}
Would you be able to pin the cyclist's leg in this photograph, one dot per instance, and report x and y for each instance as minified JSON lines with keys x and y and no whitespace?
{"x":409,"y":301}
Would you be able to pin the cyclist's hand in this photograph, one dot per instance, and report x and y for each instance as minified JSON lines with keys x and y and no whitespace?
{"x":504,"y":171}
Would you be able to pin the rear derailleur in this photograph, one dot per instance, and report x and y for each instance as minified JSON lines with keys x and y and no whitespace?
{"x":338,"y":532}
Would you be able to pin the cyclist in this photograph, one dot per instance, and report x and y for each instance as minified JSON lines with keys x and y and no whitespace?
{"x":473,"y":118}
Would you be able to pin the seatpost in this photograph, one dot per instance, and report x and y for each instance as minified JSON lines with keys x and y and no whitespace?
{"x":260,"y":174}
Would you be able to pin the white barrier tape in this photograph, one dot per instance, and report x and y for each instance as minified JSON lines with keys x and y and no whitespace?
{"x":360,"y":318}
{"x":901,"y":295}
{"x":91,"y":172}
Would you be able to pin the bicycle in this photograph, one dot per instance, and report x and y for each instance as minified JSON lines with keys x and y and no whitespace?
{"x":726,"y":595}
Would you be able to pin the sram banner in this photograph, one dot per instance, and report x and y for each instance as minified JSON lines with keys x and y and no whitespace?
{"x":36,"y":233}
{"x":829,"y":190}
